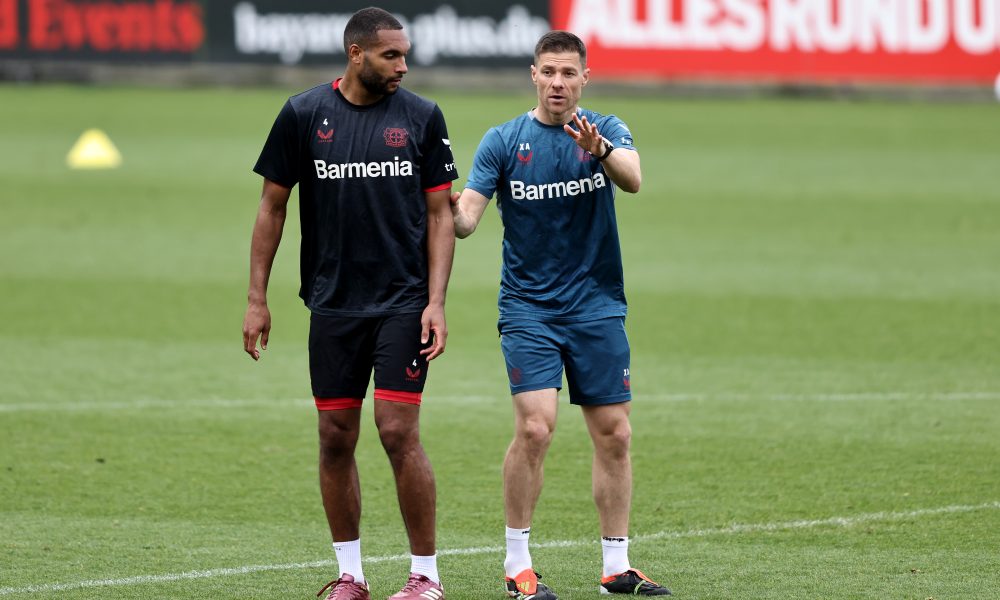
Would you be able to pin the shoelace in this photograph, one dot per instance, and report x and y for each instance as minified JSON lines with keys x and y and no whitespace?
{"x":334,"y":584}
{"x":642,"y":577}
{"x":412,"y":584}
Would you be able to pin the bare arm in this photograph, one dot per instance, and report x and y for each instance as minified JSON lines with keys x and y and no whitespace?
{"x":621,"y":166}
{"x":440,"y":254}
{"x":467,"y":210}
{"x":264,"y":245}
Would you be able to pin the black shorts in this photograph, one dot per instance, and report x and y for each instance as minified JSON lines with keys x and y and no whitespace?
{"x":343,"y":351}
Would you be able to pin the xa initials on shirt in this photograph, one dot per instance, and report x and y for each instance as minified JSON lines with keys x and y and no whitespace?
{"x":524,"y":152}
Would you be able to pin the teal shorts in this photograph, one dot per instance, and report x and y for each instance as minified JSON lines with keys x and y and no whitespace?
{"x":595,"y":355}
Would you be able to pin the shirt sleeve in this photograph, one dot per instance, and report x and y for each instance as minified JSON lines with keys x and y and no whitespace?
{"x":438,"y":168}
{"x":617,"y":132}
{"x":279,"y":160}
{"x":487,"y":165}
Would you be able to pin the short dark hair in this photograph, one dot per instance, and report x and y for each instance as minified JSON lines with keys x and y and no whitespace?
{"x":561,"y":41}
{"x":363,"y":27}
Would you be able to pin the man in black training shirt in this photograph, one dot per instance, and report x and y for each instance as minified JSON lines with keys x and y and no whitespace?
{"x":374,"y":169}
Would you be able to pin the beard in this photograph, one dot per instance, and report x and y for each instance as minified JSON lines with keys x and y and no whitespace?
{"x":374,"y":83}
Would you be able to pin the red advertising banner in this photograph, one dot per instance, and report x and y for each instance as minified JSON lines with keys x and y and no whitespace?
{"x":926,"y":41}
{"x":34,"y":27}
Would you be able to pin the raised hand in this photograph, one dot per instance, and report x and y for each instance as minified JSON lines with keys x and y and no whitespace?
{"x":585,"y":135}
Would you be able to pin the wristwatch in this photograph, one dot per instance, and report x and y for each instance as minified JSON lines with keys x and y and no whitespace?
{"x":608,"y":147}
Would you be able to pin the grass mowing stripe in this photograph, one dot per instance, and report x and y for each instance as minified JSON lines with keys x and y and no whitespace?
{"x":831,"y":521}
{"x":680,"y":397}
{"x":86,"y":406}
{"x":144,"y":579}
{"x":734,"y":529}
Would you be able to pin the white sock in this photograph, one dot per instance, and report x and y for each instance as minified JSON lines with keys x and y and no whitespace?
{"x":349,"y":559}
{"x":615,"y":551}
{"x":518,"y":557}
{"x":426,"y":566}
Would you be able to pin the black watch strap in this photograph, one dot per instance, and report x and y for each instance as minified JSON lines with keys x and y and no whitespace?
{"x":608,"y":147}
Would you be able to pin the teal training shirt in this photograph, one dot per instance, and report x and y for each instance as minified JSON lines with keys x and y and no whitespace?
{"x":561,"y":255}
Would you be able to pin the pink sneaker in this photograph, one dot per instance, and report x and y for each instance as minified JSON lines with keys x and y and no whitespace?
{"x":346,"y":588}
{"x":419,"y":587}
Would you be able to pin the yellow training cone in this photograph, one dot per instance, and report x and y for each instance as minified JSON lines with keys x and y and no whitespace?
{"x":94,"y":150}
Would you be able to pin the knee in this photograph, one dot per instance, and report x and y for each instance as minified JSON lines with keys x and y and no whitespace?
{"x":336,"y":440}
{"x":615,"y":442}
{"x":398,"y":437}
{"x":535,"y":435}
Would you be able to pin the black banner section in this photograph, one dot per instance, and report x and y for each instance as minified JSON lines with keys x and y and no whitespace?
{"x":275,"y":32}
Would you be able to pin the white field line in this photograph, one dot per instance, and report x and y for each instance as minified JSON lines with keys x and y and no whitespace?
{"x":152,"y":403}
{"x":734,"y":529}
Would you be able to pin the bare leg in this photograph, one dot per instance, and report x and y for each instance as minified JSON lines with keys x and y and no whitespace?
{"x":534,"y":424}
{"x":611,"y":433}
{"x":338,"y":473}
{"x":399,"y":429}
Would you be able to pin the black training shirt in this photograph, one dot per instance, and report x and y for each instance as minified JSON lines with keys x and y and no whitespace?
{"x":362,"y":172}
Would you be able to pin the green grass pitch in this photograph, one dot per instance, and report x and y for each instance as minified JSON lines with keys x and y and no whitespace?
{"x":814,"y":297}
